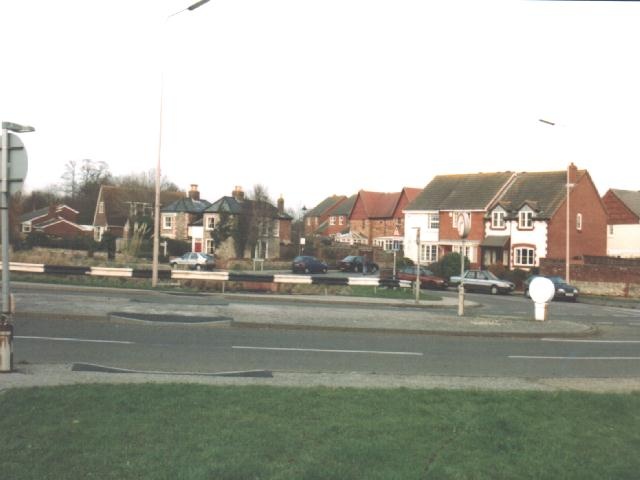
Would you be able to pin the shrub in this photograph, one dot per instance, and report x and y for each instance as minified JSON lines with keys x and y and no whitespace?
{"x":449,"y":265}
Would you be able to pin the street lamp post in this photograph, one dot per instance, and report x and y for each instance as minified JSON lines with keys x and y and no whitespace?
{"x":567,"y":253}
{"x":418,"y":265}
{"x":156,"y":213}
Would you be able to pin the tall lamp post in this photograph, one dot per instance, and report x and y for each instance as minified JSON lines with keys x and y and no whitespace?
{"x":567,"y":253}
{"x":156,"y":213}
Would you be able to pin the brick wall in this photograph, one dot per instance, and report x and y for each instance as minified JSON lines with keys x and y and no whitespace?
{"x":599,"y":275}
{"x":617,"y":211}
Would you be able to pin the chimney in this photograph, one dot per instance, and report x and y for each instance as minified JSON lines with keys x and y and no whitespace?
{"x":237,"y":193}
{"x":572,"y":174}
{"x":281,"y":205}
{"x":194,"y":194}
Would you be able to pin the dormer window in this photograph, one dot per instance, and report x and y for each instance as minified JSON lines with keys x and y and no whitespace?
{"x":497,"y":219}
{"x":525,"y":220}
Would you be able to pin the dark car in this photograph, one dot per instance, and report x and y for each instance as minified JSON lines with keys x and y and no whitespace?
{"x":194,"y":261}
{"x":308,"y":264}
{"x":356,"y":263}
{"x":563,"y":289}
{"x":428,"y":279}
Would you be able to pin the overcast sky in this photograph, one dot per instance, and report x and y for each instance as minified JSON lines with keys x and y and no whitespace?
{"x":313,"y":98}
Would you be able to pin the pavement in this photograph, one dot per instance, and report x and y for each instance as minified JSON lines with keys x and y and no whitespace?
{"x":265,"y":311}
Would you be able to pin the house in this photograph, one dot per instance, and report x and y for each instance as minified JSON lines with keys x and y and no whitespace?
{"x":623,"y":224}
{"x":323,"y":219}
{"x":528,"y":221}
{"x":119,"y":210}
{"x":430,"y":220}
{"x":270,"y":226}
{"x":378,"y":219}
{"x":177,"y":217}
{"x":55,"y":220}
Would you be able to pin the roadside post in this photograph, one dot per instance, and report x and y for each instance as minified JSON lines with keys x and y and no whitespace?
{"x":13,"y":170}
{"x":418,"y":265}
{"x":542,"y":292}
{"x":463,"y":223}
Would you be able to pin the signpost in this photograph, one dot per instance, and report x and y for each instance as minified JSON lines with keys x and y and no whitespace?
{"x":13,"y":170}
{"x":463,"y":222}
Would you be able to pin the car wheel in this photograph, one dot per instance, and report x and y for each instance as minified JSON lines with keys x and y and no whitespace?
{"x":198,"y":267}
{"x":324,"y":269}
{"x":526,"y":293}
{"x":494,"y":290}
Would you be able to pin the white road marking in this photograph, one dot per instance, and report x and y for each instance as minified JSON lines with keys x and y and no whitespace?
{"x":320,"y":350}
{"x":66,"y":339}
{"x":571,"y":340}
{"x":534,"y":357}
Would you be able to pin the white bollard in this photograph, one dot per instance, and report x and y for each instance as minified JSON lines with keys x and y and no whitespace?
{"x":541,"y":290}
{"x":6,"y":348}
{"x":541,"y":311}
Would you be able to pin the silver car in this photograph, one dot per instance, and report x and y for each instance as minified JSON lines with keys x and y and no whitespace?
{"x":483,"y":280}
{"x":194,"y":261}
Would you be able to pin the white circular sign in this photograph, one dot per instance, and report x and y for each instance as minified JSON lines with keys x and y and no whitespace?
{"x":464,"y":224}
{"x":542,"y":290}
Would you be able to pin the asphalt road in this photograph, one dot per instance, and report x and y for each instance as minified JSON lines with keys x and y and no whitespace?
{"x":615,"y":353}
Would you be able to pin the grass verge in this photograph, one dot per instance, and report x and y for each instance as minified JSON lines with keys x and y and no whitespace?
{"x":202,"y":432}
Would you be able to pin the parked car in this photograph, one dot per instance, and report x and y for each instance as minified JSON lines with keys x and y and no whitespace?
{"x":427,"y":278}
{"x":194,"y":261}
{"x":484,"y":281}
{"x":563,"y":289}
{"x":356,"y":263}
{"x":308,"y":264}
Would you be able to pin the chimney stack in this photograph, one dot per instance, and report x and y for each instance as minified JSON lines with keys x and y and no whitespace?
{"x":194,"y":194}
{"x":237,"y":193}
{"x":281,"y":205}
{"x":572,"y":174}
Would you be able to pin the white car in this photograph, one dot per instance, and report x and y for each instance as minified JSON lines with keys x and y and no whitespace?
{"x":194,"y":261}
{"x":483,"y":280}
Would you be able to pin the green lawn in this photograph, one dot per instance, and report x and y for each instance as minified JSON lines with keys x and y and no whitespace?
{"x":202,"y":432}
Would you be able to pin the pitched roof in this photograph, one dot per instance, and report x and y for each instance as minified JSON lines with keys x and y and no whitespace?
{"x":187,"y":205}
{"x":345,"y":207}
{"x":542,"y":191}
{"x":630,"y":198}
{"x":325,"y":205}
{"x":25,"y":217}
{"x":234,"y":207}
{"x":460,"y":192}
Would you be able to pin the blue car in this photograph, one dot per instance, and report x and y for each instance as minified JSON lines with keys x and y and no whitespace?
{"x":563,"y":289}
{"x":308,"y":264}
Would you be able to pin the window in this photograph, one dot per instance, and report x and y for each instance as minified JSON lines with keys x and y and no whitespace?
{"x":209,"y":246}
{"x":101,"y":207}
{"x":525,"y":219}
{"x":97,"y":234}
{"x":497,"y":219}
{"x":428,"y":253}
{"x":211,"y":223}
{"x":610,"y":229}
{"x":26,"y":227}
{"x":579,"y":221}
{"x":308,"y":221}
{"x":434,"y":221}
{"x":276,"y":228}
{"x":332,"y":220}
{"x":524,"y":256}
{"x":167,"y":222}
{"x":341,"y":220}
{"x":467,"y":251}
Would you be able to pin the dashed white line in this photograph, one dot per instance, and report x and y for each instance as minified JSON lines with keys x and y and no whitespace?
{"x":321,"y":350}
{"x":574,"y":340}
{"x":67,"y":339}
{"x":540,"y":357}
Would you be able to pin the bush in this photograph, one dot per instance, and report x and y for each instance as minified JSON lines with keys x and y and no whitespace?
{"x":449,"y":265}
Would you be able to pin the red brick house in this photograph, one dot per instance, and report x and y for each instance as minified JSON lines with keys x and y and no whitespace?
{"x":55,"y":220}
{"x":378,"y":218}
{"x":529,"y":220}
{"x":330,"y":217}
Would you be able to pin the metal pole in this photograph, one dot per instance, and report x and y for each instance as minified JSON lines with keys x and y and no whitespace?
{"x":6,"y":329}
{"x":418,"y":266}
{"x":461,"y":286}
{"x":156,"y":212}
{"x":567,"y":269}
